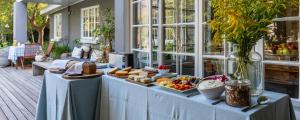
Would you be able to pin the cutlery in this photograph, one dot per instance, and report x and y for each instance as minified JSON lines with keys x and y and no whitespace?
{"x":218,"y":101}
{"x":262,"y":100}
{"x":193,"y":94}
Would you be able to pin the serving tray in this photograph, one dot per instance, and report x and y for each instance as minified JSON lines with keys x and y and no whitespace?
{"x":140,"y":83}
{"x":178,"y":91}
{"x":114,"y":75}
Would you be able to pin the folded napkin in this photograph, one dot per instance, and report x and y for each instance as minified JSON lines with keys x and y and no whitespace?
{"x":75,"y":69}
{"x":59,"y":64}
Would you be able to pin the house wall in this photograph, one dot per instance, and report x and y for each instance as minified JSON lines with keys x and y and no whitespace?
{"x":71,"y":17}
{"x":122,"y":15}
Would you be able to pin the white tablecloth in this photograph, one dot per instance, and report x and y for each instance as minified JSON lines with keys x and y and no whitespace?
{"x":121,"y":100}
{"x":15,"y":52}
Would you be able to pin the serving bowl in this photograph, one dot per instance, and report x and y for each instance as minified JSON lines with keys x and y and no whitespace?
{"x":216,"y":88}
{"x":212,"y":93}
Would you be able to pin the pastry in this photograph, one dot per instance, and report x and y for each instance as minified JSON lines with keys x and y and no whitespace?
{"x":131,"y":77}
{"x":138,"y":78}
{"x":150,"y":74}
{"x":145,"y":80}
{"x":136,"y":72}
{"x":127,"y":69}
{"x":113,"y":71}
{"x":121,"y":73}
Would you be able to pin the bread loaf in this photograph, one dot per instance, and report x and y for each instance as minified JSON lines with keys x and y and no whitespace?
{"x":89,"y":68}
{"x":121,"y":73}
{"x":113,"y":71}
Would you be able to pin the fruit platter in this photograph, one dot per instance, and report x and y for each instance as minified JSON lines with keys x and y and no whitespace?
{"x":180,"y":84}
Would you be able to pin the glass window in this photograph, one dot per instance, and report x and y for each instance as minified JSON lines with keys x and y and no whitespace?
{"x":140,"y":13}
{"x":213,"y":67}
{"x":172,"y":35}
{"x":141,"y":59}
{"x":187,"y":11}
{"x":169,"y":8}
{"x":57,"y":26}
{"x":186,"y":39}
{"x":281,"y":78}
{"x":155,"y":41}
{"x":155,"y":13}
{"x":140,"y":37}
{"x":211,"y":47}
{"x":187,"y":65}
{"x":282,"y":42}
{"x":170,"y":60}
{"x":90,"y":20}
{"x":169,"y":38}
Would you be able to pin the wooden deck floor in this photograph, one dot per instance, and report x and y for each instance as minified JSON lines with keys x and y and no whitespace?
{"x":19,"y":92}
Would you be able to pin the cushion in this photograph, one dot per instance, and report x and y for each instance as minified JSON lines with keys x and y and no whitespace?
{"x":77,"y":52}
{"x":96,"y":55}
{"x":86,"y":51}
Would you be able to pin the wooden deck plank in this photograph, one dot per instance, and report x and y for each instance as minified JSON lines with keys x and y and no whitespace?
{"x":26,"y":90}
{"x":2,"y":115}
{"x":21,"y":78}
{"x":19,"y":92}
{"x":6,"y":110}
{"x":18,"y":114}
{"x":17,"y":103}
{"x":28,"y":102}
{"x":31,"y":78}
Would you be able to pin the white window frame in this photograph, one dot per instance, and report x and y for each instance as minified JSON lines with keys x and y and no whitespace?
{"x":160,"y":26}
{"x":89,"y":39}
{"x":57,"y":28}
{"x":199,"y":54}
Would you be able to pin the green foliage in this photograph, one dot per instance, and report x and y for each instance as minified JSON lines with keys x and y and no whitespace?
{"x":37,"y":21}
{"x":45,"y":47}
{"x":106,"y":30}
{"x":77,"y":42}
{"x":34,"y":10}
{"x":6,"y":16}
{"x":58,"y":50}
{"x":244,"y":22}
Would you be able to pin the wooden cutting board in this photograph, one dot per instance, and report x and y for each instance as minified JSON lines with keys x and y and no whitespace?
{"x":84,"y":76}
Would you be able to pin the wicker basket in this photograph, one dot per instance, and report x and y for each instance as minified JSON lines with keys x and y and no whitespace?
{"x":89,"y":68}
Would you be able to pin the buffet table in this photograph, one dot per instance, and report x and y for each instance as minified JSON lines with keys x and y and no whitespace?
{"x":121,"y":100}
{"x":63,"y":99}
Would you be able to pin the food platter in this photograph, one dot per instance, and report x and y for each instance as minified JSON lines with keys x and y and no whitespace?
{"x":179,"y":91}
{"x":140,"y":83}
{"x":182,"y":84}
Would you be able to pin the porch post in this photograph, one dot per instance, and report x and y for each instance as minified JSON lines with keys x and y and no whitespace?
{"x":20,"y":21}
{"x":122,"y":24}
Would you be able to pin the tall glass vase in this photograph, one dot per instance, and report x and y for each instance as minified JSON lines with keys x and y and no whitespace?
{"x":251,"y":70}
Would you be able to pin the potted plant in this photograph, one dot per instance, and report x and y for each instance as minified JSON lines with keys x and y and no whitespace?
{"x":105,"y":33}
{"x":243,"y":23}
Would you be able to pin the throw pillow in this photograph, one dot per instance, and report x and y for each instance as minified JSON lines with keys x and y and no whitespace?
{"x":96,"y":55}
{"x":77,"y":52}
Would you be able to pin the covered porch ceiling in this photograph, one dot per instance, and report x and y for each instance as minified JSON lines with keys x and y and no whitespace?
{"x":57,"y":2}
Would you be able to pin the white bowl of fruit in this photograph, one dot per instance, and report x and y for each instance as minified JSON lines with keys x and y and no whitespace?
{"x":163,"y":69}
